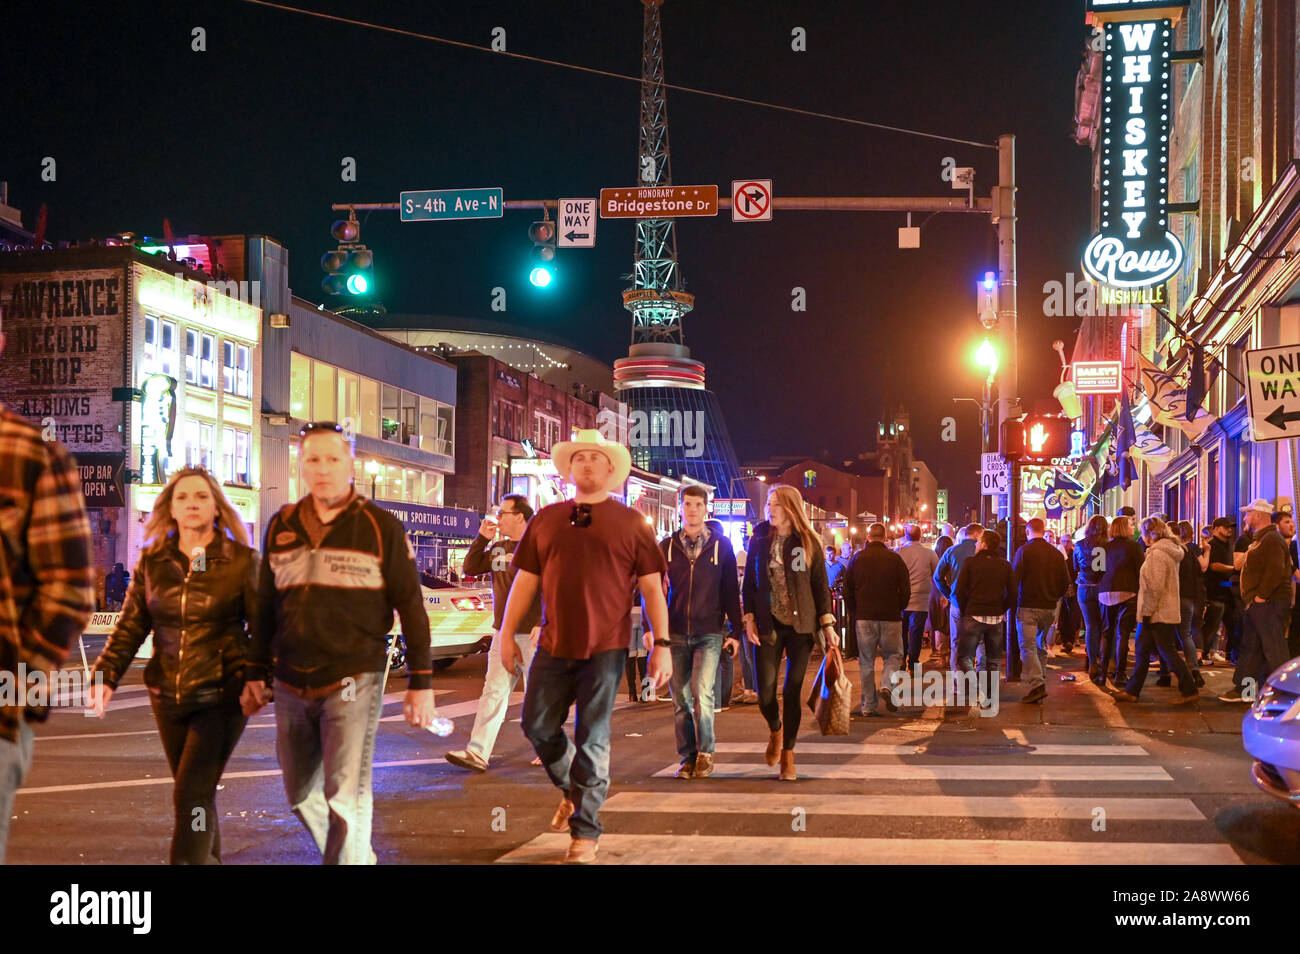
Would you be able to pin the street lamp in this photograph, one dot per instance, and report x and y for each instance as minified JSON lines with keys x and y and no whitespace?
{"x":986,"y":357}
{"x":372,"y":468}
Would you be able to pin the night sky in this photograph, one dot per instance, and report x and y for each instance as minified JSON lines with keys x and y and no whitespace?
{"x":248,"y":137}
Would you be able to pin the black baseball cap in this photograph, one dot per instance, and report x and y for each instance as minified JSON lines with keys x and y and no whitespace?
{"x":1223,"y":522}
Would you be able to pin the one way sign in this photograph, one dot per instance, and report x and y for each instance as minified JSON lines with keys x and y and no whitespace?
{"x":1273,"y":392}
{"x":577,"y":223}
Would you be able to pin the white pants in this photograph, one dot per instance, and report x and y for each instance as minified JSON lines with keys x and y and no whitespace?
{"x":497,"y":687}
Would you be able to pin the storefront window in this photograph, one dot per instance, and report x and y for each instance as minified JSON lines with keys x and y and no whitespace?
{"x":234,"y":456}
{"x":447,"y":429}
{"x":392,"y":411}
{"x":1211,"y":488}
{"x":200,"y":444}
{"x":349,"y":395}
{"x":433,"y":427}
{"x":150,"y":342}
{"x":191,"y":356}
{"x":293,"y":472}
{"x":168,"y":361}
{"x":322,"y":392}
{"x":234,"y":369}
{"x":1187,"y":504}
{"x":299,"y":386}
{"x":410,"y":422}
{"x":207,"y":361}
{"x":369,"y":423}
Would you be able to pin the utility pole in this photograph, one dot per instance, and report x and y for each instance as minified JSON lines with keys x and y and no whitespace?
{"x":1004,"y":215}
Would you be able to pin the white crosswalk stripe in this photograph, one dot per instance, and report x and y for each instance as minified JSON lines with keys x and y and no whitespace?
{"x":1118,"y":784}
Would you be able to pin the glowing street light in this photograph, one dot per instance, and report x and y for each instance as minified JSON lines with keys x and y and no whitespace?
{"x":986,"y":356}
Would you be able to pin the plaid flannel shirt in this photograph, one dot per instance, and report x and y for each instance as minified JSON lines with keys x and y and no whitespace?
{"x":47,"y":590}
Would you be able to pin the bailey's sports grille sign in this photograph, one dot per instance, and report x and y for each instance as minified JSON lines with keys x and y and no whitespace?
{"x":1135,"y":248}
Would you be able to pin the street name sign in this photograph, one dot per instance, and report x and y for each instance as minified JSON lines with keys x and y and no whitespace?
{"x":1273,"y":392}
{"x":994,"y":475}
{"x":577,"y":223}
{"x":658,"y":202}
{"x":437,"y":205}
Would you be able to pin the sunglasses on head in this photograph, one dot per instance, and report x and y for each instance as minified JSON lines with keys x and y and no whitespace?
{"x":317,"y":427}
{"x":581,"y":515}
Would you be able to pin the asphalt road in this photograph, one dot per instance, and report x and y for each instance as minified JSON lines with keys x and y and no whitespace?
{"x":1077,"y":779}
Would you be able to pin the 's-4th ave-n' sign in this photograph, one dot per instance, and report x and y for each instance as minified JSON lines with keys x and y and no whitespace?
{"x":1273,"y":392}
{"x":434,"y":205}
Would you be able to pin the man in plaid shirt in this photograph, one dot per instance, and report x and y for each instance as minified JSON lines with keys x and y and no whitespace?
{"x":46,"y":582}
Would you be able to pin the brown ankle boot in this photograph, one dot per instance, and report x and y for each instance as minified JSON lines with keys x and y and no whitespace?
{"x":787,"y":765}
{"x":773,"y":748}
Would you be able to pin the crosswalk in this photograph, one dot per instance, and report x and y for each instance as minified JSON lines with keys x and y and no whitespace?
{"x":932,"y":801}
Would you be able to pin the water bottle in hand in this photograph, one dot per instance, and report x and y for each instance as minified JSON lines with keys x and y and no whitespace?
{"x":441,"y":726}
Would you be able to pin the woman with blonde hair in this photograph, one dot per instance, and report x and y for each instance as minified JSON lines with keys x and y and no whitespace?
{"x":195,"y":588}
{"x":786,"y":601}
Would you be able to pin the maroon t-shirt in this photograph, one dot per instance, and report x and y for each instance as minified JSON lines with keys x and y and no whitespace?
{"x":587,"y":574}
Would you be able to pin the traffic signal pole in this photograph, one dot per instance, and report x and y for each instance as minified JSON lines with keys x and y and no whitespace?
{"x":1004,"y":215}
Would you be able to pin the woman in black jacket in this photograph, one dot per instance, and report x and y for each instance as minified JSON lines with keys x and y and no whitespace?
{"x":786,"y":602}
{"x":195,"y":587}
{"x":1089,"y":567}
{"x":1118,"y":591}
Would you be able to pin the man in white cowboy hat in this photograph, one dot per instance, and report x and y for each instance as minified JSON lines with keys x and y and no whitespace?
{"x":584,"y":555}
{"x":1266,"y":594}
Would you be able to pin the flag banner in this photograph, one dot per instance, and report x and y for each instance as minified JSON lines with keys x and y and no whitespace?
{"x":1062,"y":492}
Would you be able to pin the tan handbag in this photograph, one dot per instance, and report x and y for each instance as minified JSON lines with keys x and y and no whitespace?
{"x":832,"y":694}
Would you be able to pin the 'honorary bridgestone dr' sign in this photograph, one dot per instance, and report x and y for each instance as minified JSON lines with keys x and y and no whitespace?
{"x":1135,"y":248}
{"x":658,"y":202}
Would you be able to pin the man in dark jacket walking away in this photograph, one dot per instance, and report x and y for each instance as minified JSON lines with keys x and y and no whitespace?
{"x":486,"y":556}
{"x":877,"y":588}
{"x":334,"y":568}
{"x":985,"y":591}
{"x":1041,"y":579}
{"x":945,"y":578}
{"x":703,"y":591}
{"x":1266,"y":593}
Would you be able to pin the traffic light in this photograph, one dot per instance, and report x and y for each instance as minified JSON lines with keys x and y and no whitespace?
{"x":542,"y":272}
{"x":1037,"y":437}
{"x":986,"y":292}
{"x":350,"y":269}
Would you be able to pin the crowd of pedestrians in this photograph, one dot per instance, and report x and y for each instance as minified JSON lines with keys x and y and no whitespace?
{"x":307,"y":623}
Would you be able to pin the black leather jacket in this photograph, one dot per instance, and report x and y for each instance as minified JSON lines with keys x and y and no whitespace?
{"x":199,"y":619}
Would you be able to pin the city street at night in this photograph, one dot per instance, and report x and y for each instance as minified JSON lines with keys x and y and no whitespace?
{"x":1074,"y":781}
{"x":850,"y":446}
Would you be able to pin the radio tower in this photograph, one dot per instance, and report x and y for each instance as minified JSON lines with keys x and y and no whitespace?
{"x":659,"y":376}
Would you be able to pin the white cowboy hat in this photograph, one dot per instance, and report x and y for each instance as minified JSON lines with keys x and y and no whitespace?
{"x":1259,"y":504}
{"x":592,"y":439}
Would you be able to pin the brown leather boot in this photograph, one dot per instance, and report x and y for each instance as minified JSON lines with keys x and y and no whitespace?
{"x":773,"y":748}
{"x":787,"y":765}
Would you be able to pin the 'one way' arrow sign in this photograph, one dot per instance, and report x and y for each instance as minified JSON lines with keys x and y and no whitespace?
{"x":577,"y":223}
{"x":1273,"y":392}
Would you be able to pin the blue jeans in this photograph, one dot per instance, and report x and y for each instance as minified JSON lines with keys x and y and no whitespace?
{"x":15,"y":761}
{"x":1030,"y":623}
{"x":1121,"y":621}
{"x":695,"y":669}
{"x":1161,"y":638}
{"x":722,"y":686}
{"x":885,"y":637}
{"x":1094,"y":628}
{"x":326,"y":749}
{"x":914,"y":627}
{"x":983,"y":637}
{"x":579,"y":767}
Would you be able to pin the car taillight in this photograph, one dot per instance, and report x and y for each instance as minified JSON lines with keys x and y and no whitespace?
{"x":467,"y":603}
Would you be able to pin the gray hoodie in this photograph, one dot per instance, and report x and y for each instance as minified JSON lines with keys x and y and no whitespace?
{"x":1158,"y":582}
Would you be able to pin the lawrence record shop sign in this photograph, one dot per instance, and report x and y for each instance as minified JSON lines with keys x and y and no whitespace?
{"x":64,"y":354}
{"x":1135,"y":248}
